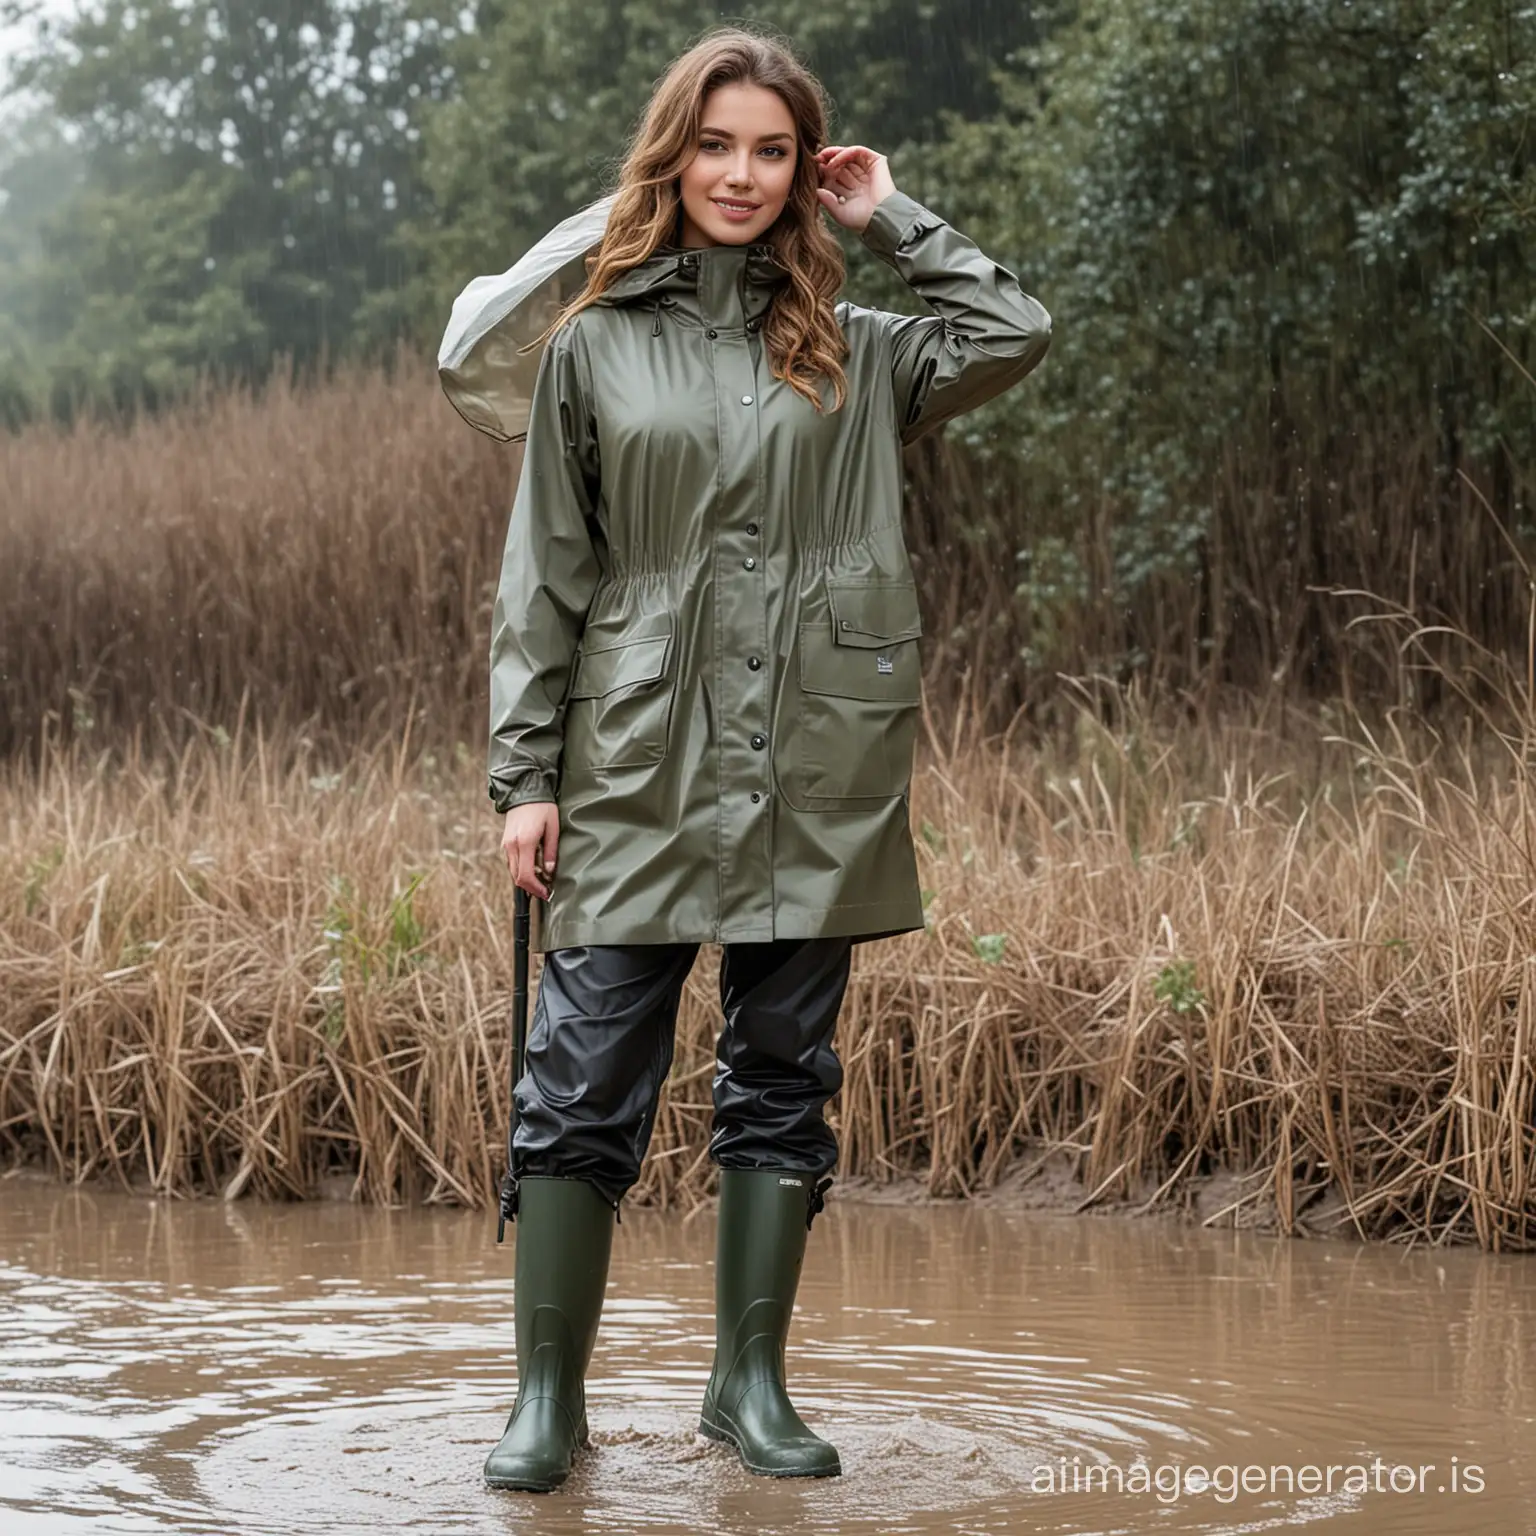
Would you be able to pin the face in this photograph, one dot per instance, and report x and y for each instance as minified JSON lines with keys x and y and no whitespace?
{"x":740,"y":177}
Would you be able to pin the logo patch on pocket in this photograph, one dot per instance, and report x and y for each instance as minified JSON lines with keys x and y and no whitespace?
{"x":884,"y":663}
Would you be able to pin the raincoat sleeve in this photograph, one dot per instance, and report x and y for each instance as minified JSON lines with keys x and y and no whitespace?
{"x":549,"y":572}
{"x":985,"y":333}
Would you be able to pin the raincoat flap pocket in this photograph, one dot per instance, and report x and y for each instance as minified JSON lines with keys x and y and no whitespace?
{"x":619,"y":666}
{"x":873,"y":614}
{"x":871,"y":652}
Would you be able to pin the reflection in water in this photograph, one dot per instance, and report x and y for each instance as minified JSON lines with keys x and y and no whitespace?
{"x":195,"y":1367}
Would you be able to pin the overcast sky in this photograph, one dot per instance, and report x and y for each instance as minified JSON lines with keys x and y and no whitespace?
{"x":12,"y":39}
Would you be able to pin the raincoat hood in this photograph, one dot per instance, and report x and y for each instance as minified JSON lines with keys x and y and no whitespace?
{"x":490,"y":383}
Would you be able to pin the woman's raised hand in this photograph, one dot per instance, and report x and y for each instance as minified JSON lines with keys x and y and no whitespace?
{"x":853,"y":180}
{"x":530,"y":838}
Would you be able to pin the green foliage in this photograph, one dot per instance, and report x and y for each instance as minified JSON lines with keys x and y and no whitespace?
{"x":360,"y":950}
{"x":132,"y":301}
{"x":206,"y":188}
{"x":1256,"y":222}
{"x":1175,"y":985}
{"x":406,"y":934}
{"x":39,"y":871}
{"x":989,"y":946}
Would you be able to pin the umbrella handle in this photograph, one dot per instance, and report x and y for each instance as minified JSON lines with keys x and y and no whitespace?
{"x":507,"y":1203}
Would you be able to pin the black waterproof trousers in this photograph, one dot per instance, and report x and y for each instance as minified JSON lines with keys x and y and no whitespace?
{"x":600,"y":1047}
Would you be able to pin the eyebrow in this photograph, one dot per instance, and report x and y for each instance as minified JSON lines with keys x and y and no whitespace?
{"x":725,"y":133}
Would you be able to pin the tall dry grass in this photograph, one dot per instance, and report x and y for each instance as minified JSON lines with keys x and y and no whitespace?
{"x":324,"y":558}
{"x":1158,"y":952}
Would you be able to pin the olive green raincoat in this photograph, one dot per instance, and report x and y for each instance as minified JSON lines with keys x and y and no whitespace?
{"x":705,"y":644}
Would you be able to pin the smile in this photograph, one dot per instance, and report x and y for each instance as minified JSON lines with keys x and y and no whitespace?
{"x":721,"y":202}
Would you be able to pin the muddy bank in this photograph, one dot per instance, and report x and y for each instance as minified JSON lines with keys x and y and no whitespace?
{"x":1047,"y":1183}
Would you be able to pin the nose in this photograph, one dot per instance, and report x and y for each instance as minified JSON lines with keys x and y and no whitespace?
{"x":740,"y":173}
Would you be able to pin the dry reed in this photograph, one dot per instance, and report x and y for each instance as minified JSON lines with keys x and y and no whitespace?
{"x":325,"y":556}
{"x":1160,"y":952}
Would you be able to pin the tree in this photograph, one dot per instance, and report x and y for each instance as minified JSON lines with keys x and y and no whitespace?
{"x":1274,"y":228}
{"x":240,"y":175}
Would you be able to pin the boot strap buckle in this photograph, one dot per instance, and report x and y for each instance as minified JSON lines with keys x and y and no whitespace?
{"x":817,"y":1202}
{"x":506,"y":1204}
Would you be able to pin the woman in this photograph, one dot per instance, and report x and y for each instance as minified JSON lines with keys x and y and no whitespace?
{"x":705,"y":693}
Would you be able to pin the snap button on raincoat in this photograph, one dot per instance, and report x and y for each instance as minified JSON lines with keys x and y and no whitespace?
{"x":705,"y":641}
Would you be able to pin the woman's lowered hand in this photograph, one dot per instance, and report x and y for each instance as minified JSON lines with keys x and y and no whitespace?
{"x":530,"y":838}
{"x":853,"y":180}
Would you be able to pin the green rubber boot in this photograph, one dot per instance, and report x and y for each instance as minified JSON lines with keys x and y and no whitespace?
{"x":564,"y":1236}
{"x":764,"y":1216}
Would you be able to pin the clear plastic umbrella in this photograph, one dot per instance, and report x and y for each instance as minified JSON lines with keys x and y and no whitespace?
{"x":490,"y":385}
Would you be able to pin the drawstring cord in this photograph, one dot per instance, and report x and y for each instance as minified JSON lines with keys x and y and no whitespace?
{"x":656,"y":321}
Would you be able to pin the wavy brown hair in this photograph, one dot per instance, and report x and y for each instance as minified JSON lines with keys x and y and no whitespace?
{"x":804,"y":341}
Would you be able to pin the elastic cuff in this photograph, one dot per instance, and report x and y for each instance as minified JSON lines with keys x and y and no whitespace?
{"x":531,"y":784}
{"x":896,"y":220}
{"x":609,"y":1193}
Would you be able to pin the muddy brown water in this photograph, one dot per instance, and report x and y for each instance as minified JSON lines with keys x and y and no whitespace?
{"x":215,"y":1367}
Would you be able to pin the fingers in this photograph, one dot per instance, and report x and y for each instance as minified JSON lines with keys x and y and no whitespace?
{"x":847,"y":170}
{"x":523,"y":860}
{"x":528,"y":873}
{"x":837,"y":156}
{"x":842,"y":186}
{"x":848,"y":175}
{"x":551,"y":838}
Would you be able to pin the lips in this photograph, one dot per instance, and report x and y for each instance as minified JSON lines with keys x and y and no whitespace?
{"x":731,"y":207}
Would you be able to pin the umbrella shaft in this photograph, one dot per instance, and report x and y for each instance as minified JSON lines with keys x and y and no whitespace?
{"x":520,"y":939}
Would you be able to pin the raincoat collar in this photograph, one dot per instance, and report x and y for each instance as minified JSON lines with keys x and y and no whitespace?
{"x":724,"y":286}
